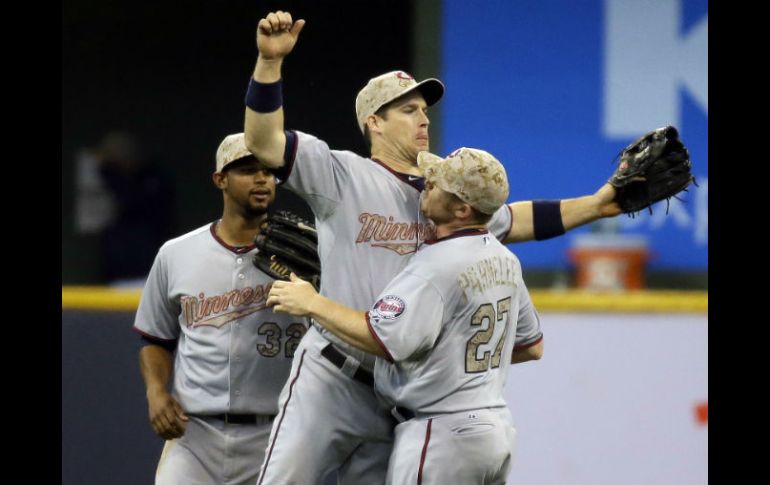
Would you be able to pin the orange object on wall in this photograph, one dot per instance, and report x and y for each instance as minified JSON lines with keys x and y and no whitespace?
{"x":609,"y":262}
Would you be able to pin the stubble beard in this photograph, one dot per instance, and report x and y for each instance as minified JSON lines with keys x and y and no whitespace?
{"x":253,"y":212}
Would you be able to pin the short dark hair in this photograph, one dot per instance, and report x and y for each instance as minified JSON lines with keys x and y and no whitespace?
{"x":382,"y":114}
{"x":478,"y":216}
{"x":481,"y":217}
{"x":367,"y":138}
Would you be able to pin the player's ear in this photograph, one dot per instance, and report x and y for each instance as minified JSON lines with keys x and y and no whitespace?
{"x":374,"y":123}
{"x":220,"y":180}
{"x":463,"y":211}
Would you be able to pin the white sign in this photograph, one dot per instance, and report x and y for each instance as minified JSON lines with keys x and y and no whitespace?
{"x":648,"y":61}
{"x":616,"y":399}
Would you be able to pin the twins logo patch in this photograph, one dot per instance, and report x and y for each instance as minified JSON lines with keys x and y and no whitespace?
{"x":389,"y":307}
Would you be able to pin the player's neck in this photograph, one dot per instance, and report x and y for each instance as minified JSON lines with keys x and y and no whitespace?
{"x":397,"y":162}
{"x":449,"y":228}
{"x":236,"y":230}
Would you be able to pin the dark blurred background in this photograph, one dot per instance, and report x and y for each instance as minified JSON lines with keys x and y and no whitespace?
{"x":174,"y":77}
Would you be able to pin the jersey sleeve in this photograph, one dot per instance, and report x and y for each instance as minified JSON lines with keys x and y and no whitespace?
{"x":157,"y":317}
{"x":528,"y":330}
{"x":501,"y":222}
{"x":407,"y":317}
{"x":312,"y":171}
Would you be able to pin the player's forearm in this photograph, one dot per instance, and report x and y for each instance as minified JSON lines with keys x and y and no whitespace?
{"x":267,"y":70}
{"x":264,"y":136}
{"x":534,"y":352}
{"x":573,"y":212}
{"x":156,"y":365}
{"x":346,"y":323}
{"x":579,"y":211}
{"x":263,"y":132}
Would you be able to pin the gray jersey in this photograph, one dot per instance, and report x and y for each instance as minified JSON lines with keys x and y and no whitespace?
{"x":448,"y":324}
{"x":369,"y":224}
{"x":368,"y":220}
{"x":233,"y":355}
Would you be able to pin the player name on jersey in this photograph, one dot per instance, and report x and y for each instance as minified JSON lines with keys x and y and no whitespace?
{"x":485,"y":274}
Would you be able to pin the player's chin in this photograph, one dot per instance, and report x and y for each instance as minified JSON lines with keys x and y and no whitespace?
{"x":261,"y":201}
{"x":422,"y":145}
{"x":257,"y":209}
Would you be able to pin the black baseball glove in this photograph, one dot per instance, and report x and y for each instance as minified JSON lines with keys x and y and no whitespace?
{"x":287,"y":243}
{"x":654,"y":167}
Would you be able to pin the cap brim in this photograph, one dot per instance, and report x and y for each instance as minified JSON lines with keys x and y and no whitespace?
{"x":426,"y":160}
{"x":431,"y":89}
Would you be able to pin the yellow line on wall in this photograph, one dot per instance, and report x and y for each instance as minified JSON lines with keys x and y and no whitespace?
{"x":99,"y":298}
{"x":627,"y":302}
{"x":113,"y":299}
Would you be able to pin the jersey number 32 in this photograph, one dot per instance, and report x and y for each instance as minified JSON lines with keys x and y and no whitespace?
{"x":272,"y":333}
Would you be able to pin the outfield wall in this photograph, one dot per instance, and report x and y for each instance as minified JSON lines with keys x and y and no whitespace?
{"x":620,"y":396}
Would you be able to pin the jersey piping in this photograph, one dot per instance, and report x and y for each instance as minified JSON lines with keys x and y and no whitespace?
{"x":418,"y":183}
{"x":471,"y":231}
{"x":236,"y":250}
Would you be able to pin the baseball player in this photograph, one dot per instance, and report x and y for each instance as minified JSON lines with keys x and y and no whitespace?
{"x":214,"y":359}
{"x":443,"y":329}
{"x":369,"y":224}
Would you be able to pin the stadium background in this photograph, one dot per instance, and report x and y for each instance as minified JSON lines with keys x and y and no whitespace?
{"x":530,"y":81}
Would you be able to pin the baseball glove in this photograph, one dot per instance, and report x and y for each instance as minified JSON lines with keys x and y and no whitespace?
{"x":654,"y":167}
{"x":287,"y":243}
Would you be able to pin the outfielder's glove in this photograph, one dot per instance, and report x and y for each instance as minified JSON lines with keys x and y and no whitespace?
{"x":654,"y":167}
{"x":287,"y":243}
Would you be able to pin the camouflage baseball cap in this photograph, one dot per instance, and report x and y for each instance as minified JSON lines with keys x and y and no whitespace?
{"x":475,"y":176}
{"x":232,"y":148}
{"x":383,"y":89}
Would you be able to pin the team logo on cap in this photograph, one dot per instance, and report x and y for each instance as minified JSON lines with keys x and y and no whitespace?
{"x":404,"y":79}
{"x":389,"y":307}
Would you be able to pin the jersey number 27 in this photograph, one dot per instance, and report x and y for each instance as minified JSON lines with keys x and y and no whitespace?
{"x":487,"y":312}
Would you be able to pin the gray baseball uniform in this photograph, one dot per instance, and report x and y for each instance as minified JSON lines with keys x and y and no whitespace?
{"x":448,"y":324}
{"x":232,"y":355}
{"x":369,"y":223}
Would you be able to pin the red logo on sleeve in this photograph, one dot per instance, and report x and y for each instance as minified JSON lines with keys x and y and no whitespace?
{"x":389,"y":307}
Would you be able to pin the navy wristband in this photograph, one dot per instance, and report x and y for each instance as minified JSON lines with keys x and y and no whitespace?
{"x":264,"y":98}
{"x":546,"y":219}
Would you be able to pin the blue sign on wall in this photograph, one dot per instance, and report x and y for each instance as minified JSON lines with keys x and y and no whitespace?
{"x":556,"y":88}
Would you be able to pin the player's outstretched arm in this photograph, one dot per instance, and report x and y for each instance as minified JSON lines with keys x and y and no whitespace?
{"x":545,"y":219}
{"x":298,"y":297}
{"x":167,"y":417}
{"x":277,"y":34}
